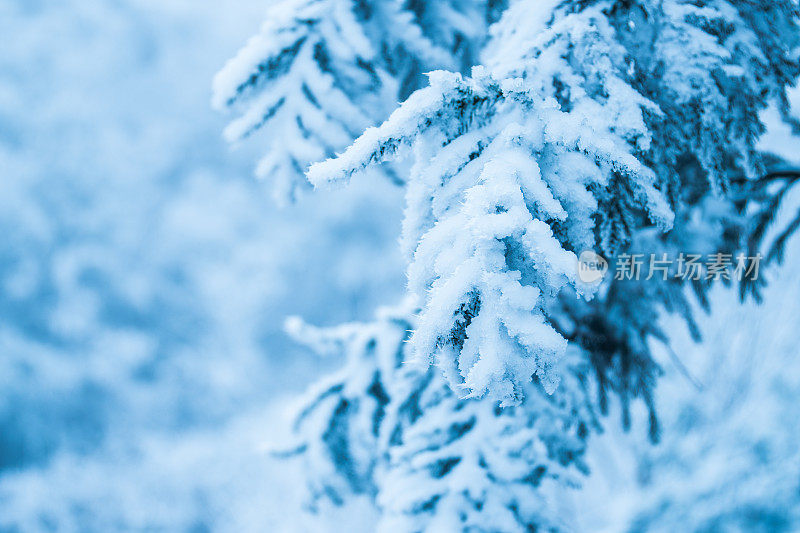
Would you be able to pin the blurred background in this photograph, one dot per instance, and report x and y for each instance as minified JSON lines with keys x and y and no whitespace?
{"x":145,"y":277}
{"x":145,"y":274}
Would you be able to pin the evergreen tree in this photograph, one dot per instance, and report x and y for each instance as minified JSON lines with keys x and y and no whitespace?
{"x":660,"y":135}
{"x":623,"y":127}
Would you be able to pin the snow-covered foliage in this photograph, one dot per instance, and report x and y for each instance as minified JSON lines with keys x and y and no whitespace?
{"x":710,"y":68}
{"x":144,"y":279}
{"x":321,"y":71}
{"x":339,"y":423}
{"x":500,"y":175}
{"x":619,"y":127}
{"x":474,"y":465}
{"x":426,"y":459}
{"x":579,"y":138}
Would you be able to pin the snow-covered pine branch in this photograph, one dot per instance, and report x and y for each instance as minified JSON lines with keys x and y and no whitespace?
{"x":427,"y":460}
{"x":296,"y":80}
{"x":617,"y":126}
{"x":339,"y":424}
{"x":321,"y":71}
{"x":584,"y":133}
{"x":473,"y":465}
{"x":499,"y":178}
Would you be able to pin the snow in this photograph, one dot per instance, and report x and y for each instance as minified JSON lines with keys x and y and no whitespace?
{"x":150,"y":374}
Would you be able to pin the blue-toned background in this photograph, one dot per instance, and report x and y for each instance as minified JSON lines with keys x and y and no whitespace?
{"x":145,"y":277}
{"x":145,"y":274}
